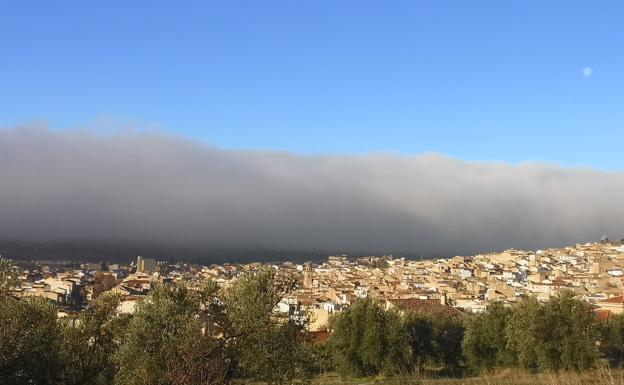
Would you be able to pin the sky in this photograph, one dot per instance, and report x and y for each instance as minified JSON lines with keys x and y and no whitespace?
{"x":399,"y":126}
{"x":481,"y":80}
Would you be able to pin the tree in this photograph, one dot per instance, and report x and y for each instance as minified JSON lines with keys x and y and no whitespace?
{"x":165,"y":342}
{"x":367,"y":340}
{"x":266,"y":346}
{"x":576,"y":334}
{"x":560,"y":334}
{"x":90,"y":342}
{"x":419,"y":330}
{"x":485,"y":339}
{"x":523,"y":332}
{"x":398,"y":353}
{"x":103,"y":282}
{"x":347,"y":339}
{"x":200,"y":359}
{"x":612,"y":341}
{"x":29,"y":341}
{"x":8,"y":277}
{"x":447,"y":336}
{"x":205,"y":336}
{"x":321,"y":358}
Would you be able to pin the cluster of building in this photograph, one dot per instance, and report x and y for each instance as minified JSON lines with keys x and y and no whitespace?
{"x":455,"y":286}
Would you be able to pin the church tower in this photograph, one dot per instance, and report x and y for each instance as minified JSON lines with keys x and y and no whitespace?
{"x":307,"y":276}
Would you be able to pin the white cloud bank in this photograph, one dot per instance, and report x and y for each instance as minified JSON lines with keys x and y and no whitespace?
{"x":153,"y":187}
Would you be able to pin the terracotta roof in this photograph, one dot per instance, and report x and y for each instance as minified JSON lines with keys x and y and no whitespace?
{"x":426,"y":306}
{"x":602,"y":315}
{"x":617,"y":299}
{"x":133,"y":298}
{"x":317,"y":337}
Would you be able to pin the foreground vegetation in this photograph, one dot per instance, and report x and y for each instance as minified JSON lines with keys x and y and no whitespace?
{"x":216,"y":336}
{"x":176,"y":336}
{"x":603,"y":376}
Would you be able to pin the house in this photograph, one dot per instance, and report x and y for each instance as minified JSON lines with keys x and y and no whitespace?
{"x":423,"y":306}
{"x":614,"y":304}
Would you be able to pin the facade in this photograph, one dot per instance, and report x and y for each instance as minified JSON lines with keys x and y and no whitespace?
{"x":146,"y":265}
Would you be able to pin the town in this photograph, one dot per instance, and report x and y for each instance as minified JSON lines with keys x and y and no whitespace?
{"x":458,"y":285}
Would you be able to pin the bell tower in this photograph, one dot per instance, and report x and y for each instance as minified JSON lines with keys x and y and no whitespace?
{"x":307,"y":276}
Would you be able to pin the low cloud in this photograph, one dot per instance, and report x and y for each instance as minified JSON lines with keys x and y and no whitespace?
{"x":157,"y":188}
{"x":587,"y":71}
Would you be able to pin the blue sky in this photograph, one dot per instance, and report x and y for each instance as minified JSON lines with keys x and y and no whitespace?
{"x":479,"y":80}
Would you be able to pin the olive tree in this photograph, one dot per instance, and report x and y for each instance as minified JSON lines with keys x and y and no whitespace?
{"x":485,"y":340}
{"x":266,"y":345}
{"x":29,"y":341}
{"x":165,"y":342}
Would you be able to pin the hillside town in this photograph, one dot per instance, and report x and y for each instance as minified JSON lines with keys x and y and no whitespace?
{"x":457,"y":286}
